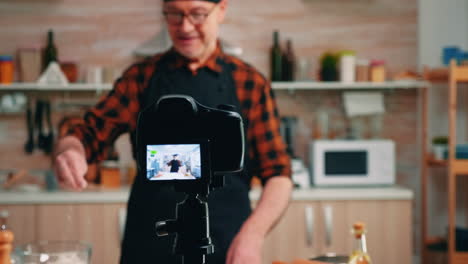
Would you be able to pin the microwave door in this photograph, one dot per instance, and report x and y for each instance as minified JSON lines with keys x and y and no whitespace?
{"x":346,"y":163}
{"x":344,"y":167}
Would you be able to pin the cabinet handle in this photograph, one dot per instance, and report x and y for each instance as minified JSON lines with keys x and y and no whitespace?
{"x":122,"y":220}
{"x":309,"y":221}
{"x":328,"y":215}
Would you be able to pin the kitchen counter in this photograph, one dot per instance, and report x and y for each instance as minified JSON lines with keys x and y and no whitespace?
{"x":121,"y":195}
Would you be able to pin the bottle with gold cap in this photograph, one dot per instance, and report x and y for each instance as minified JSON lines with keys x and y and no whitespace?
{"x":6,"y":239}
{"x":359,"y":254}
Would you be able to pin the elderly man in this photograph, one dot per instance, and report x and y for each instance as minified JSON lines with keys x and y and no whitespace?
{"x":195,"y":66}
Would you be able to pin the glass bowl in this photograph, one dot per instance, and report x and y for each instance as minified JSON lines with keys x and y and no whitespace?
{"x":54,"y":252}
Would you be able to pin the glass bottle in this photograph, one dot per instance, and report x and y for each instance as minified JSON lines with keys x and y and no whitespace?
{"x":359,"y":255}
{"x":50,"y":51}
{"x":6,"y":239}
{"x":276,"y":59}
{"x":289,"y":62}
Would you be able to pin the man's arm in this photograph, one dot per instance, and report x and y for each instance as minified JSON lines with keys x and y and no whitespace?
{"x":70,"y":163}
{"x":270,"y":207}
{"x":249,"y":241}
{"x":85,"y":141}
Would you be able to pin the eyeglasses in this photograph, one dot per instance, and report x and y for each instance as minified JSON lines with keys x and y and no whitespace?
{"x":196,"y":18}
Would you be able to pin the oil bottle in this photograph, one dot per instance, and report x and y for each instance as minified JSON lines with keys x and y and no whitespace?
{"x":359,"y":255}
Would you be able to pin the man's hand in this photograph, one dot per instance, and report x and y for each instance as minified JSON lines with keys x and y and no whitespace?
{"x":70,"y":164}
{"x":246,"y":248}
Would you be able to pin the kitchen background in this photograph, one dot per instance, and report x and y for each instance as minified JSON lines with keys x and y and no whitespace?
{"x":404,"y":33}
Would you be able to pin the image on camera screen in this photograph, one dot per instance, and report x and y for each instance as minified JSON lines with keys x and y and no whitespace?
{"x":173,"y":162}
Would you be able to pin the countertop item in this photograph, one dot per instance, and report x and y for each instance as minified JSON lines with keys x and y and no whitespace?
{"x":55,"y":252}
{"x":121,"y":195}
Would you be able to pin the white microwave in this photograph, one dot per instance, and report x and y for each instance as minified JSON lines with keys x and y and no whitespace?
{"x":352,"y":162}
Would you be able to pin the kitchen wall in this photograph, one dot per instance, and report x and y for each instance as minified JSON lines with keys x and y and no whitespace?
{"x":106,"y":32}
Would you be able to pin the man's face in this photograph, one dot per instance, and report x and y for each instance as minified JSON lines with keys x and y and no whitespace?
{"x":195,"y":41}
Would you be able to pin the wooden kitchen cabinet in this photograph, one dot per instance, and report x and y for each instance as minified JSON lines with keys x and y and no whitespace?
{"x":296,"y":234}
{"x":96,"y":224}
{"x":19,"y":221}
{"x":312,"y":228}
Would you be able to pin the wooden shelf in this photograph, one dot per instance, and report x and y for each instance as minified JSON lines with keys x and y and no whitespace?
{"x":433,"y":162}
{"x":404,"y":84}
{"x":460,"y":167}
{"x":76,"y":87}
{"x":73,"y":87}
{"x":453,"y":75}
{"x":460,"y":258}
{"x":438,"y":75}
{"x":434,"y":240}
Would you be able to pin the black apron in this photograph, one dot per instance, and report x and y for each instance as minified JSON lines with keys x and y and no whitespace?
{"x":148,"y":204}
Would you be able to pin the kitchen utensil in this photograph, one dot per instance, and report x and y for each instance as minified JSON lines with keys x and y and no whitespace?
{"x":13,"y":178}
{"x":6,"y":238}
{"x":55,"y":252}
{"x":49,"y":135}
{"x":38,"y":123}
{"x":29,"y":146}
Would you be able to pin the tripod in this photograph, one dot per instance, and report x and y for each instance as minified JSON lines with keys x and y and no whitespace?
{"x":191,"y":226}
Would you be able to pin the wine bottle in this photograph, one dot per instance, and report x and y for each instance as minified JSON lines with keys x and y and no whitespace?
{"x":359,"y":254}
{"x":289,"y":62}
{"x":276,"y":58}
{"x":50,"y":51}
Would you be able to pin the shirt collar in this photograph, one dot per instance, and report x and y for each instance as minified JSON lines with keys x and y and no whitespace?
{"x":212,"y":63}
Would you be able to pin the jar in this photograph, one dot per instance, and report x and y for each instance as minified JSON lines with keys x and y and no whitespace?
{"x":362,"y":70}
{"x":347,"y":66}
{"x":29,"y":64}
{"x":70,"y":70}
{"x":6,"y":69}
{"x":377,"y":71}
{"x":110,"y":174}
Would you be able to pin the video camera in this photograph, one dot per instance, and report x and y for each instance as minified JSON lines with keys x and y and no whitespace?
{"x":189,"y":145}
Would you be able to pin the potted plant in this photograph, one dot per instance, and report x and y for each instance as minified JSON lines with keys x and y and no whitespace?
{"x":328,"y":64}
{"x":439,"y":147}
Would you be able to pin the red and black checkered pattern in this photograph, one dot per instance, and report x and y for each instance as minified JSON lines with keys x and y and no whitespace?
{"x":117,"y":112}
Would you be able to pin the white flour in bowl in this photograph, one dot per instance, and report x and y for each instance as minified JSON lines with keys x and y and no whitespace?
{"x":59,"y":258}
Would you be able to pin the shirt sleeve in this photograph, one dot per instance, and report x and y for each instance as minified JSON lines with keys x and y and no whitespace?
{"x":115,"y":114}
{"x":268,"y":151}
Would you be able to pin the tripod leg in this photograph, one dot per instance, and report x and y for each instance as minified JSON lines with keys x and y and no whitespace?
{"x":194,"y":259}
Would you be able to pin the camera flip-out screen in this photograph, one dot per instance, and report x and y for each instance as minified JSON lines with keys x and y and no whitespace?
{"x":173,"y":162}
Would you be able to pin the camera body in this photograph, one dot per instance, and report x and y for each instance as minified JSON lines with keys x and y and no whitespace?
{"x":188,"y":145}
